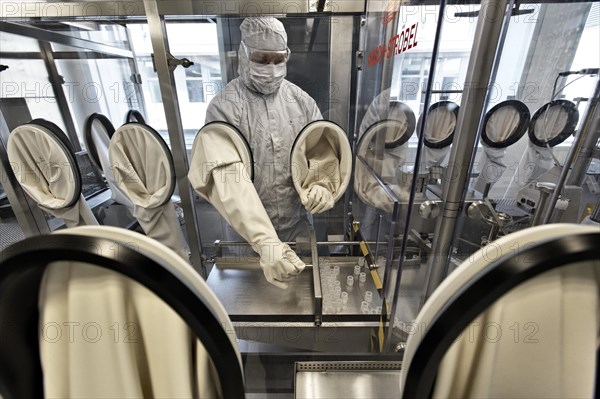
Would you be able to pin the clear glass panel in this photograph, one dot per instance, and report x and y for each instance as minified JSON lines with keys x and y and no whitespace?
{"x":15,"y":43}
{"x":553,"y":83}
{"x":98,"y":85}
{"x":27,"y":79}
{"x":64,"y":81}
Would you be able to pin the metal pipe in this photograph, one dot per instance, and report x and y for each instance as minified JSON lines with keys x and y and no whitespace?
{"x":57,"y":81}
{"x":545,"y":190}
{"x":319,"y":243}
{"x":582,"y":148}
{"x":481,"y":64}
{"x":590,"y":132}
{"x":158,"y":35}
{"x":54,"y":37}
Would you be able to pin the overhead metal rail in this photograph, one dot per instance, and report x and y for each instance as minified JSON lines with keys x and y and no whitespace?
{"x":134,"y":9}
{"x":115,"y":9}
{"x":54,"y":37}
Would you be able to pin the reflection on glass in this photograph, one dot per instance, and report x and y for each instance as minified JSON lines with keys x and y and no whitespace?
{"x":26,"y":80}
{"x":504,"y":125}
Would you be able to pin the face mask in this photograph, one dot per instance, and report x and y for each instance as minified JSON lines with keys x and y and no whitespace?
{"x":266,"y":79}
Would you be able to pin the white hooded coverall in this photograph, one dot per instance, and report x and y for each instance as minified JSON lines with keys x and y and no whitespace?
{"x":270,"y":123}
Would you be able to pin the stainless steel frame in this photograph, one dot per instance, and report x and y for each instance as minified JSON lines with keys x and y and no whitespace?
{"x":160,"y":45}
{"x":49,"y":36}
{"x":63,"y":104}
{"x":137,"y":8}
{"x":590,"y":129}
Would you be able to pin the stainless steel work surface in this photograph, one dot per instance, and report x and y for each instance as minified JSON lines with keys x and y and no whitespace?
{"x":347,"y":384}
{"x":247,"y":296}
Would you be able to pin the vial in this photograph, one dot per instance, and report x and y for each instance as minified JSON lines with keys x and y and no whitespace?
{"x":374,"y":311}
{"x":338,"y":305}
{"x":364,"y":307}
{"x":378,"y":309}
{"x":361,"y":262}
{"x":357,"y":270}
{"x":362,"y":278}
{"x":344,"y":297}
{"x":337,"y":291}
{"x":336,"y":270}
{"x":369,"y":296}
{"x":337,"y":283}
{"x":349,"y":281}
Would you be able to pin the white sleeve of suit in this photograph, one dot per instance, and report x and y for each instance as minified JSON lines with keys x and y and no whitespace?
{"x":220,"y":178}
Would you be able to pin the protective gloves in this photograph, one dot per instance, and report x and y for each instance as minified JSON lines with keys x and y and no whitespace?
{"x":143,"y":171}
{"x":317,"y":199}
{"x":222,"y":178}
{"x":322,"y":161}
{"x":279,"y":262}
{"x":48,"y":172}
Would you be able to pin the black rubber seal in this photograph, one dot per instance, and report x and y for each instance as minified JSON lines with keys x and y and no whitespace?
{"x":519,"y":131}
{"x":479,"y":293}
{"x":134,"y":115}
{"x":451,"y":107}
{"x":109,"y":129}
{"x":572,"y":119}
{"x":22,"y":266}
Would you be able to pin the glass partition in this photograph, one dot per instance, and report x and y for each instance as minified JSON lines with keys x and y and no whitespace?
{"x":63,"y":71}
{"x":547,"y":87}
{"x":398,"y":80}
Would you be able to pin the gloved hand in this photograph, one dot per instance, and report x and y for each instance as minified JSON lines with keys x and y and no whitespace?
{"x":279,"y":262}
{"x":317,"y":199}
{"x":237,"y":201}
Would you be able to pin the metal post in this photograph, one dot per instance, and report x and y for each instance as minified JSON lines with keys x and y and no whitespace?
{"x":61,"y":99}
{"x":160,"y":46}
{"x":590,"y":132}
{"x":582,"y":148}
{"x":479,"y":72}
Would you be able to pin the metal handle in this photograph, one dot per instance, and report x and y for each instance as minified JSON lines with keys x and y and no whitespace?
{"x":174,"y":62}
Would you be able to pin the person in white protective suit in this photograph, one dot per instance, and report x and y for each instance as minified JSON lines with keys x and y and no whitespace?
{"x":270,"y":112}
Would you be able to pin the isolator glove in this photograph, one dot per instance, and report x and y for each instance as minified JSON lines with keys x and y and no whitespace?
{"x":506,"y":121}
{"x":223,"y":178}
{"x":279,"y":262}
{"x":321,"y":165}
{"x":143,"y":170}
{"x":44,"y":163}
{"x":317,"y":199}
{"x":439,"y":130}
